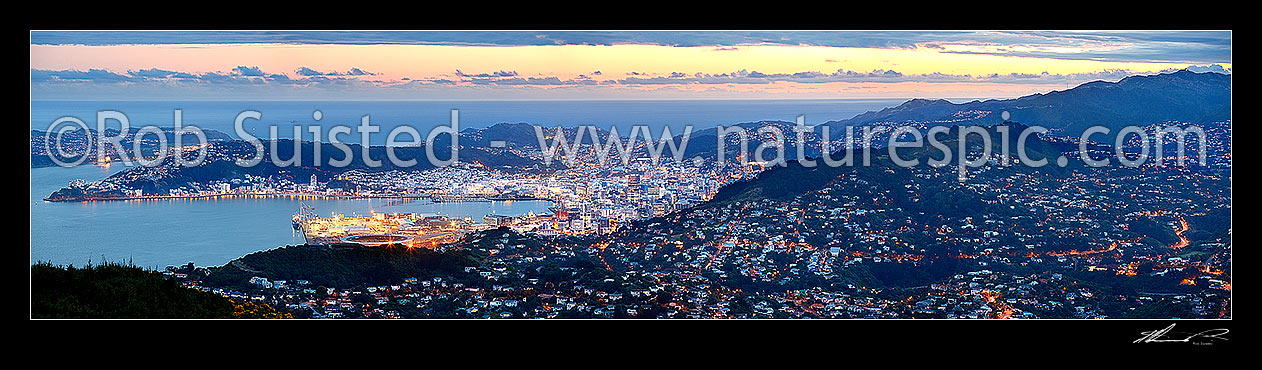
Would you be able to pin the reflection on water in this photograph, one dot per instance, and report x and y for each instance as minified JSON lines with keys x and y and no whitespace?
{"x":160,"y":232}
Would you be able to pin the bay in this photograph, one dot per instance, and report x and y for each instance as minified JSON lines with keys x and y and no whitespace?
{"x":207,"y":232}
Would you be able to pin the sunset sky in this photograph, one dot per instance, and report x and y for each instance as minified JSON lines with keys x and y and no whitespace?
{"x":572,"y":65}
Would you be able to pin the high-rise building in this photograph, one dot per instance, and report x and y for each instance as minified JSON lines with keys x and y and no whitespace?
{"x":633,"y":188}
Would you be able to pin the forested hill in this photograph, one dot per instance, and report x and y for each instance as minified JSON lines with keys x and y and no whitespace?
{"x":117,"y":291}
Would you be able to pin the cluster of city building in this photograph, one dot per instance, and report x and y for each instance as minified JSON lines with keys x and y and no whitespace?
{"x":1020,"y":243}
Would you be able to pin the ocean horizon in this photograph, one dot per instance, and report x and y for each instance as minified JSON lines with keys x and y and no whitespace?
{"x":424,"y":115}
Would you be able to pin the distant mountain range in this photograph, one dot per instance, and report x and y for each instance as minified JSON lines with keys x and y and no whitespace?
{"x":1136,"y":100}
{"x":40,"y":142}
{"x":1183,"y":96}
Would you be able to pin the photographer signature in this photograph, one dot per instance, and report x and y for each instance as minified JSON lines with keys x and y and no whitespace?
{"x":1160,"y":336}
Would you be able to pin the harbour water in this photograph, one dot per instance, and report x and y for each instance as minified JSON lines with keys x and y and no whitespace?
{"x":206,"y":232}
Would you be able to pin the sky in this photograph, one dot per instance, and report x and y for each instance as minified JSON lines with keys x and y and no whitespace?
{"x":600,"y":65}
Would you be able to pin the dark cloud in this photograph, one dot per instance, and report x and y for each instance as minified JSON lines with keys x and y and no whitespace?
{"x":91,"y":75}
{"x":240,"y":75}
{"x":1209,"y":68}
{"x":495,"y":74}
{"x":304,"y":71}
{"x":878,"y":75}
{"x":534,"y":81}
{"x":159,"y":73}
{"x":248,"y":71}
